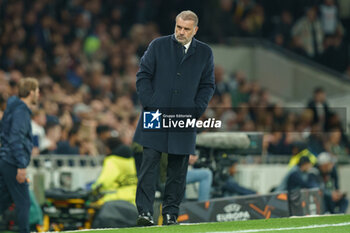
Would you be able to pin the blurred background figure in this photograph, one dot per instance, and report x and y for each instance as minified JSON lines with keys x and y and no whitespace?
{"x":231,"y":186}
{"x":118,"y":178}
{"x":326,"y":175}
{"x":298,"y":177}
{"x":202,"y":175}
{"x":40,"y":141}
{"x":309,"y":30}
{"x":319,"y":107}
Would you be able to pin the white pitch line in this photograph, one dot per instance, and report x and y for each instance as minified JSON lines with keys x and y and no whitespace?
{"x":287,"y":228}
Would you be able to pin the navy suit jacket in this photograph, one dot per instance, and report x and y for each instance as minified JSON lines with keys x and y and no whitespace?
{"x":16,"y":133}
{"x":168,"y":79}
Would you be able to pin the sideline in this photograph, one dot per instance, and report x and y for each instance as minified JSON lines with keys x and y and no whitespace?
{"x":287,"y":228}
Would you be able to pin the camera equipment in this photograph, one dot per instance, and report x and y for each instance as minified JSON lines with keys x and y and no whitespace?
{"x":218,"y":151}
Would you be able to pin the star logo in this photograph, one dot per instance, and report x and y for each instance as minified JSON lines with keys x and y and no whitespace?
{"x":156,"y":115}
{"x":151,"y":120}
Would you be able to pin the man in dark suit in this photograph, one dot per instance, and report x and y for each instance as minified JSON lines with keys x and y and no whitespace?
{"x":176,"y":71}
{"x":319,"y":106}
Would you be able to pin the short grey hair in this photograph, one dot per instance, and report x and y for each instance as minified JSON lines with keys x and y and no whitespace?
{"x":188,"y":15}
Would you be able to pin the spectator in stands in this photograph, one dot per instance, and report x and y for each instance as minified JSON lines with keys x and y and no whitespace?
{"x":241,"y":94}
{"x":118,"y":176}
{"x":242,"y":8}
{"x":280,"y":143}
{"x":235,"y":79}
{"x":282,"y":29}
{"x":329,"y":15}
{"x":298,"y":47}
{"x":51,"y":108}
{"x":222,"y":14}
{"x":315,"y":140}
{"x":222,"y":87}
{"x":309,"y":30}
{"x":103,"y":133}
{"x":13,"y":87}
{"x":40,"y":142}
{"x":305,"y":122}
{"x":53,"y":133}
{"x":242,"y":116}
{"x":231,"y":186}
{"x":87,"y":138}
{"x":70,"y":146}
{"x":252,"y":24}
{"x":66,"y":120}
{"x":319,"y":106}
{"x":334,"y":144}
{"x":264,"y":98}
{"x":279,"y":115}
{"x":325,"y":175}
{"x":335,"y":53}
{"x":202,"y":175}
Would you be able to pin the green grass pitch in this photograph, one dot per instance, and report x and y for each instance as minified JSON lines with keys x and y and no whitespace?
{"x":323,"y":224}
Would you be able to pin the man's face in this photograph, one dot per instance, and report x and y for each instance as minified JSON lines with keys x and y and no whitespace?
{"x":35,"y":96}
{"x":185,"y":30}
{"x":311,"y":14}
{"x":320,"y":97}
{"x":306,"y":167}
{"x":233,"y":169}
{"x":326,"y":168}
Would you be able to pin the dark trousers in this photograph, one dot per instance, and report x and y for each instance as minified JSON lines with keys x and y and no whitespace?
{"x":12,"y":191}
{"x":148,"y":177}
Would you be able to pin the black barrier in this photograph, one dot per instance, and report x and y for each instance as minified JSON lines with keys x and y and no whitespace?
{"x":275,"y":205}
{"x":305,"y":202}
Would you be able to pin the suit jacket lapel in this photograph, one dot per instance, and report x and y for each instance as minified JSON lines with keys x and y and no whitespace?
{"x":190,"y":50}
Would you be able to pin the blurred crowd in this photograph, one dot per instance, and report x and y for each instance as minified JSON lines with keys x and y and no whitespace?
{"x":246,"y":106}
{"x":318,"y":34}
{"x":310,"y":28}
{"x":85,"y":54}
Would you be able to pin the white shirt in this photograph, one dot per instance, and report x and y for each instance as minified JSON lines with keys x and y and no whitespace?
{"x":329,"y":18}
{"x":38,"y":130}
{"x":187,"y":46}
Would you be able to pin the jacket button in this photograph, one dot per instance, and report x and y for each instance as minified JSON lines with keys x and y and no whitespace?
{"x":178,"y":75}
{"x":175,"y":91}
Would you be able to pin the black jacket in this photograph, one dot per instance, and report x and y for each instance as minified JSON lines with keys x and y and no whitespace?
{"x":16,"y":133}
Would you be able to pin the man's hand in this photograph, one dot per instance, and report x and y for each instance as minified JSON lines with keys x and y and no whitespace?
{"x":192,"y":159}
{"x":21,"y":175}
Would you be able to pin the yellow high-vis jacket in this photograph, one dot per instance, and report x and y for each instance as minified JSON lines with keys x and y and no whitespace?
{"x":118,"y":179}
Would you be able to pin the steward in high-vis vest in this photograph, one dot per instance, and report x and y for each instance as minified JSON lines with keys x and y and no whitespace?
{"x":118,"y":178}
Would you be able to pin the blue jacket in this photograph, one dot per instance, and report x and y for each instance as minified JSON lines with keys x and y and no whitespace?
{"x":16,"y":133}
{"x":299,"y":180}
{"x":168,"y":79}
